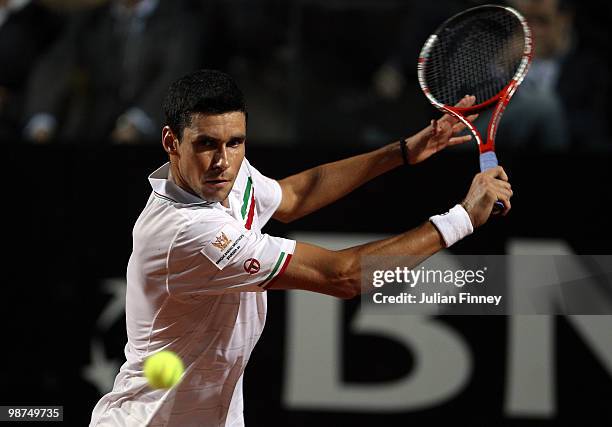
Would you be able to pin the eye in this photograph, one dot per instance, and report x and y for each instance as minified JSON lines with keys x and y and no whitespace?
{"x":207,"y":143}
{"x":235,"y":142}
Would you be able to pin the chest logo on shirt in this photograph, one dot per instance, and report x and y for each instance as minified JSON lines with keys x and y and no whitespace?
{"x":251,"y":266}
{"x":221,"y":242}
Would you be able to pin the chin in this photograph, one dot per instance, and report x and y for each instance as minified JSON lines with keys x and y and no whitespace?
{"x":214,"y":197}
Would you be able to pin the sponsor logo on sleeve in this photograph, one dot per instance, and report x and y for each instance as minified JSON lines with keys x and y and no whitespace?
{"x":226,"y":244}
{"x":221,"y":242}
{"x":252,"y":266}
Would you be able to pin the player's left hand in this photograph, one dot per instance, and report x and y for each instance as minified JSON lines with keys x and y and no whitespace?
{"x":439,"y":134}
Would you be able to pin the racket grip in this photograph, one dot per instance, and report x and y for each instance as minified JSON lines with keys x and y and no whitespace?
{"x":488,"y":161}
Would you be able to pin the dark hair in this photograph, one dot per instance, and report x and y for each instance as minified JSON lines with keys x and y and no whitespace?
{"x":202,"y":91}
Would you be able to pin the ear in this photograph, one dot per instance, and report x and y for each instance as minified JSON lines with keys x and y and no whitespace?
{"x":169,"y":140}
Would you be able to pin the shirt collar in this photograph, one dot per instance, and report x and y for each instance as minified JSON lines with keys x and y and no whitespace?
{"x":164,"y":187}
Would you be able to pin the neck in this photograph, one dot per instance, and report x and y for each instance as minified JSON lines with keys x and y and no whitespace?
{"x":175,"y":176}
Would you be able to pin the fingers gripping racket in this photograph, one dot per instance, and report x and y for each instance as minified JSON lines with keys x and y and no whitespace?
{"x":484,"y":51}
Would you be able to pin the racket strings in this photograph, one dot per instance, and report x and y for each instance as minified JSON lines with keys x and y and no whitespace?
{"x":476,"y":55}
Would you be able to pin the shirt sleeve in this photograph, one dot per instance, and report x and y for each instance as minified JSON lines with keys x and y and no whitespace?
{"x":268,"y":194}
{"x":218,"y":255}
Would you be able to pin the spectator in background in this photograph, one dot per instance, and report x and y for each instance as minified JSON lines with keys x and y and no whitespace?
{"x":394,"y":82}
{"x":399,"y":71}
{"x":257,"y":53}
{"x":534,"y":117}
{"x":568,"y":71}
{"x":555,"y":107}
{"x":20,"y":48}
{"x":106,"y":77}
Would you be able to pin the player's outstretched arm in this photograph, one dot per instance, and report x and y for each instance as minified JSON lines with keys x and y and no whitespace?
{"x":315,"y":188}
{"x":338,"y":273}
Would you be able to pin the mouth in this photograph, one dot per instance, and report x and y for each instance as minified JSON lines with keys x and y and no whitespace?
{"x":216,"y":183}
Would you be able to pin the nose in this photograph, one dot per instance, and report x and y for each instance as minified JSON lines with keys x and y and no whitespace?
{"x":220,"y":160}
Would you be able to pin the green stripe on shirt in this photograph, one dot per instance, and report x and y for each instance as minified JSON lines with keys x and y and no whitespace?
{"x":279,"y":262}
{"x":245,"y":199}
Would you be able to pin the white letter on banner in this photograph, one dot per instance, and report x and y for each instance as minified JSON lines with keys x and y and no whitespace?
{"x":442,"y":365}
{"x":531,"y":363}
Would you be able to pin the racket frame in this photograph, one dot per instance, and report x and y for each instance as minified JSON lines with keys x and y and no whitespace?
{"x":502,"y":98}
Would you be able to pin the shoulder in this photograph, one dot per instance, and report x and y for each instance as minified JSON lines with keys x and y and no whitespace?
{"x":162,"y":216}
{"x":247,"y":170}
{"x":247,"y":177}
{"x":201,"y":226}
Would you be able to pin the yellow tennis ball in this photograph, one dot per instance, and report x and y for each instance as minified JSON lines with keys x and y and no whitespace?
{"x":163,"y":369}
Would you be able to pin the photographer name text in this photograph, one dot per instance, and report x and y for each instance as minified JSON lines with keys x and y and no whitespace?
{"x":436,"y":298}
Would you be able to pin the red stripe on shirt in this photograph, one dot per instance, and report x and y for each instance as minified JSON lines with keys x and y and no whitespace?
{"x":251,"y":212}
{"x":280,"y":273}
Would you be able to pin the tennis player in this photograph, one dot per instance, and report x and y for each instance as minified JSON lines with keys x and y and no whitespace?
{"x":200,"y":264}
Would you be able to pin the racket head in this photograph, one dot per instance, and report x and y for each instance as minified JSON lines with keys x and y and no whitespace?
{"x":484,"y":51}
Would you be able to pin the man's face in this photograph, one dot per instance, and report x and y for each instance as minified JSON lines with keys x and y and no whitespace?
{"x":550,"y":26}
{"x":208,"y":158}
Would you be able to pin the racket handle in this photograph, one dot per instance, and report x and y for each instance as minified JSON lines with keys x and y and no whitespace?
{"x":488,"y":161}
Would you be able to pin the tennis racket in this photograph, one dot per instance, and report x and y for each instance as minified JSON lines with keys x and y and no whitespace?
{"x":484,"y":51}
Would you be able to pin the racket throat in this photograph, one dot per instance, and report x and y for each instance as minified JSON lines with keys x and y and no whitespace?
{"x":504,"y":98}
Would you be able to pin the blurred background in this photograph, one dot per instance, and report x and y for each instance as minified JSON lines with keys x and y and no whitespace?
{"x":81,"y":85}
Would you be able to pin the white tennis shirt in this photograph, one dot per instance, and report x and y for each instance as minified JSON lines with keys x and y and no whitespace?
{"x":195,"y":283}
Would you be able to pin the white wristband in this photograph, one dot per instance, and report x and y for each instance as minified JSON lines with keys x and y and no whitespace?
{"x":453,"y":225}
